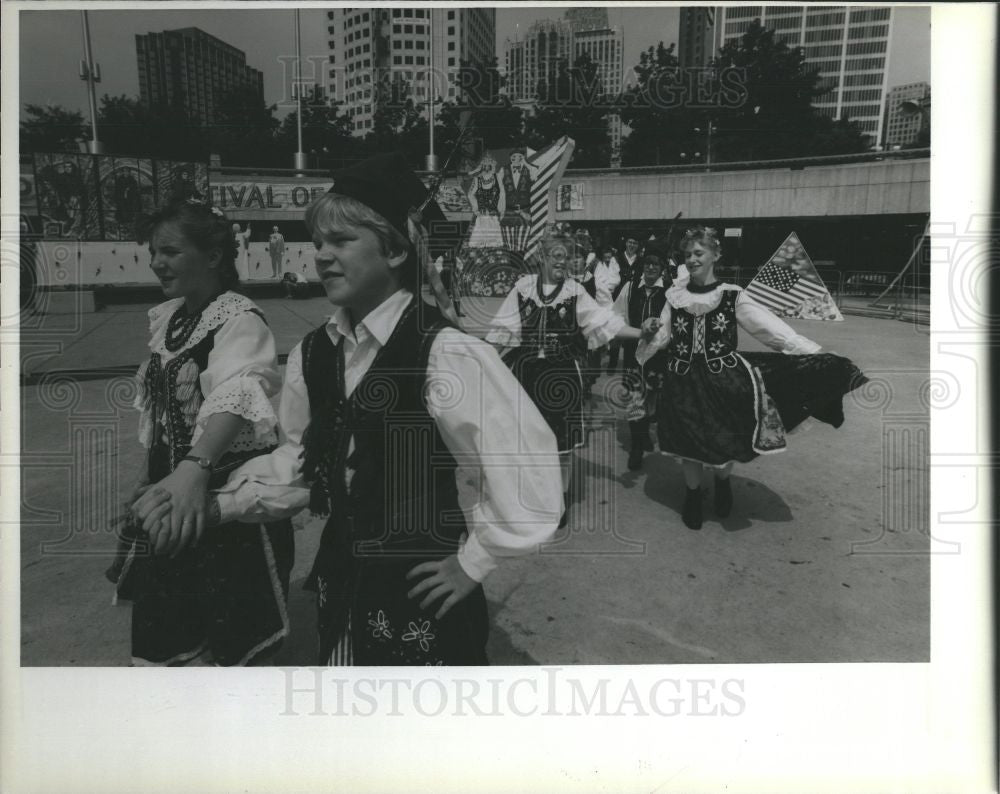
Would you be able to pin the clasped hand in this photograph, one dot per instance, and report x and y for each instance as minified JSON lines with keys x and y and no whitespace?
{"x":650,"y":326}
{"x":173,"y":511}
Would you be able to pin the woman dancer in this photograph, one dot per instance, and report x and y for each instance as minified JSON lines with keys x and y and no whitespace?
{"x":718,"y":406}
{"x":489,"y":203}
{"x":544,"y":328}
{"x":202,"y":596}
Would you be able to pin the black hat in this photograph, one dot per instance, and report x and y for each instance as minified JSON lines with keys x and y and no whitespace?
{"x":387,"y":184}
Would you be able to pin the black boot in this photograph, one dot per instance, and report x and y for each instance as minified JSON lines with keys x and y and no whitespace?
{"x":640,"y":438}
{"x":692,"y":508}
{"x":723,"y":497}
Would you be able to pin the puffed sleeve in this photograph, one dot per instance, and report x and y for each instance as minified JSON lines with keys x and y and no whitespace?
{"x":498,"y":437}
{"x":646,"y":349}
{"x":769,"y":329}
{"x":241,"y":374}
{"x":506,"y":329}
{"x":620,"y":306}
{"x":599,"y":324}
{"x":270,"y":487}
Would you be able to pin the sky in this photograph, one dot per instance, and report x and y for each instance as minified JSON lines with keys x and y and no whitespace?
{"x":51,"y":44}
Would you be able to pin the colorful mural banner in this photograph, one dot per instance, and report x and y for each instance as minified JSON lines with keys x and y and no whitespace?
{"x":100,"y":197}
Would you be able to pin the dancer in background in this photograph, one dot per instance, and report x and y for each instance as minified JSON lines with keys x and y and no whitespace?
{"x":718,"y":407}
{"x":545,"y":326}
{"x":641,"y":299}
{"x":200,"y":595}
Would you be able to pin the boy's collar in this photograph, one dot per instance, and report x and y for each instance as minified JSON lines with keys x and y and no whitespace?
{"x":379,"y":322}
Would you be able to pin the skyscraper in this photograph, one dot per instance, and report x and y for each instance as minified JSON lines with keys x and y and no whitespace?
{"x":697,"y":36}
{"x":903,"y":125}
{"x":849,"y":44}
{"x":191,"y":68}
{"x":587,"y":18}
{"x":604,"y":47}
{"x":371,"y":46}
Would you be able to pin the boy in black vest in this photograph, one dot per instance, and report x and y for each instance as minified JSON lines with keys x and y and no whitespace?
{"x":642,"y":298}
{"x":380,"y":407}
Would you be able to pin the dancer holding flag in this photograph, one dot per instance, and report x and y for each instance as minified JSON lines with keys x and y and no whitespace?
{"x":545,"y":327}
{"x":718,"y":406}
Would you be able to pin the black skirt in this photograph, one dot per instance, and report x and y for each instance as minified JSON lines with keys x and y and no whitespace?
{"x":555,"y":385}
{"x":740,"y":412}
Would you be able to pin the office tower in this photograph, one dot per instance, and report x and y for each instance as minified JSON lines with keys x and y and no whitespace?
{"x":697,"y":36}
{"x":587,"y":18}
{"x":369,"y":47}
{"x":188,"y":67}
{"x":535,"y":58}
{"x":604,"y":47}
{"x":849,"y":45}
{"x":903,"y":124}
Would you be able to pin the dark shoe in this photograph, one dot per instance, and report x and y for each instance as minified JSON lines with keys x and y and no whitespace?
{"x":635,"y":456}
{"x":723,"y":497}
{"x":691,"y":514}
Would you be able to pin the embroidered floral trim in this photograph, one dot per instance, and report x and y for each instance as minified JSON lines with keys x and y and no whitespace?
{"x":420,"y":634}
{"x":526,"y":287}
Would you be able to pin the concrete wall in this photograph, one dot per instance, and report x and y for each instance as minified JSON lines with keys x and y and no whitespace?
{"x":877,"y":188}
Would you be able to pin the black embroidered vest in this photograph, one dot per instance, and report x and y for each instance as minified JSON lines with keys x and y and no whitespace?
{"x":716,"y":331}
{"x":553,"y":327}
{"x":402,"y":499}
{"x":643,"y":305}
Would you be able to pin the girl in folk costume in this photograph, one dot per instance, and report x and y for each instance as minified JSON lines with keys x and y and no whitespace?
{"x":201,"y":595}
{"x":718,"y":406}
{"x":489,"y":203}
{"x":546,"y":325}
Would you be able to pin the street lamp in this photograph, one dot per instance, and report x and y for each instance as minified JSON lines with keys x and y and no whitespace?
{"x":300,"y":156}
{"x":91,"y":73}
{"x":708,"y":142}
{"x":431,"y":162}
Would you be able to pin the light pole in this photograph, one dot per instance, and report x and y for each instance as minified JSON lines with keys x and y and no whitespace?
{"x":431,"y":162}
{"x":92,"y":74}
{"x":300,"y":156}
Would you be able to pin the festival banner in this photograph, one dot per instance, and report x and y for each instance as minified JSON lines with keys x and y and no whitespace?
{"x":570,"y":197}
{"x":291,"y":197}
{"x":789,"y":285}
{"x":510,"y":193}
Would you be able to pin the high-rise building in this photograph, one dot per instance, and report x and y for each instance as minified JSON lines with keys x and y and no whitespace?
{"x":587,"y":18}
{"x":371,"y":47}
{"x":604,"y":47}
{"x":849,"y":45}
{"x":536,"y":57}
{"x":697,"y":36}
{"x":188,"y":67}
{"x":903,"y":123}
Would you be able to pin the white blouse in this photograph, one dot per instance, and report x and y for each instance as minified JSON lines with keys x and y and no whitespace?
{"x":599,"y":324}
{"x":489,"y":424}
{"x":750,"y":316}
{"x":240,"y":376}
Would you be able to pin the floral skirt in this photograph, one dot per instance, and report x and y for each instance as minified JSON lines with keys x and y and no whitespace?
{"x":734,"y":415}
{"x":555,"y":385}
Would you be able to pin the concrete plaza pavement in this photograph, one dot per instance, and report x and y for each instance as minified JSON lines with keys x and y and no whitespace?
{"x":825,"y":558}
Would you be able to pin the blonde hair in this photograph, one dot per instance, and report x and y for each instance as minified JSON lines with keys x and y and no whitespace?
{"x":332,"y":211}
{"x":705,"y":235}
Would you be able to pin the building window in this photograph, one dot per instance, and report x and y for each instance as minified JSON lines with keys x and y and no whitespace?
{"x":396,"y":13}
{"x":451,"y":61}
{"x":408,"y":29}
{"x":451,"y":30}
{"x":420,"y":44}
{"x":451,"y":46}
{"x":408,"y":59}
{"x":420,"y":60}
{"x":451,"y":15}
{"x":397,"y":60}
{"x":397,"y":28}
{"x":397,"y":44}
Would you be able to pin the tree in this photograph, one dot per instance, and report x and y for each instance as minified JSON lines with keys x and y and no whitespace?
{"x":128,"y":126}
{"x":326,"y":134}
{"x":754,"y":102}
{"x":397,"y":123}
{"x":51,"y":128}
{"x":494,"y":120}
{"x":571,"y":103}
{"x":244,"y":131}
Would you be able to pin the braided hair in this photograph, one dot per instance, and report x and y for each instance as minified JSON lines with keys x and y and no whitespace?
{"x":205,"y":226}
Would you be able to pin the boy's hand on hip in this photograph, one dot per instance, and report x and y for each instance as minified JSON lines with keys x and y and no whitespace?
{"x":444,"y":579}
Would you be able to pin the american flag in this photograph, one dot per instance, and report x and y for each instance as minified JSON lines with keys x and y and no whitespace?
{"x":781,"y":287}
{"x":545,"y":166}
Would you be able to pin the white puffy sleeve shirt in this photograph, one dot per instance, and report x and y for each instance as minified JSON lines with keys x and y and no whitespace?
{"x":492,"y":428}
{"x":753,"y":318}
{"x":599,"y":324}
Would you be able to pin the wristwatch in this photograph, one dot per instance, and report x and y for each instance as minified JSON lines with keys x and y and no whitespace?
{"x":205,"y":463}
